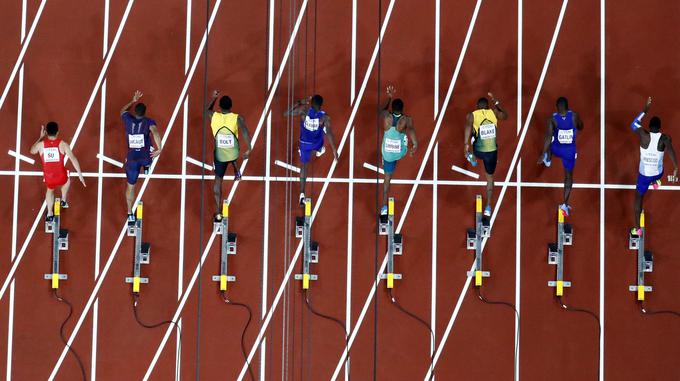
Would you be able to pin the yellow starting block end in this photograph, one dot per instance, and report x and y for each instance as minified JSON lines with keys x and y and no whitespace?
{"x":560,"y":216}
{"x":308,"y":207}
{"x":55,"y":281}
{"x":223,"y":283}
{"x":390,"y":206}
{"x":478,"y":278}
{"x":390,"y":280}
{"x":642,"y":219}
{"x":478,"y":203}
{"x":559,"y":289}
{"x":225,"y":209}
{"x":305,"y":281}
{"x":641,"y":293}
{"x":139,"y":210}
{"x":57,"y":206}
{"x":136,"y":281}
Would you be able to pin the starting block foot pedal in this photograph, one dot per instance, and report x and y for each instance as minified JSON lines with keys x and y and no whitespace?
{"x":217,"y":227}
{"x":63,"y":239}
{"x":649,"y":261}
{"x":383,"y":225}
{"x":145,"y":253}
{"x":131,"y":229}
{"x":633,"y":241}
{"x":471,"y":239}
{"x":552,"y":253}
{"x":299,"y":226}
{"x":398,"y":244}
{"x":568,"y":236}
{"x":486,"y":227}
{"x":49,"y":226}
{"x":314,"y":252}
{"x":231,"y":243}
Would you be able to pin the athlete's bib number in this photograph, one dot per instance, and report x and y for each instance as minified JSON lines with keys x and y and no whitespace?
{"x":225,"y":141}
{"x":136,"y":141}
{"x":311,"y":124}
{"x":487,"y":131}
{"x":565,"y":136}
{"x":51,"y":155}
{"x":393,"y":145}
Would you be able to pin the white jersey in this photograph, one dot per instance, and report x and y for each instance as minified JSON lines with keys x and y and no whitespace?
{"x":651,"y":159}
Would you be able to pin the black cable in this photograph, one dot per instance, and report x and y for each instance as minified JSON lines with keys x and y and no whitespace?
{"x":245,"y":329}
{"x":63,"y":337}
{"x":481,"y":297}
{"x":590,"y":313}
{"x":422,"y":321}
{"x":646,"y":311}
{"x":339,"y":322}
{"x":202,"y":208}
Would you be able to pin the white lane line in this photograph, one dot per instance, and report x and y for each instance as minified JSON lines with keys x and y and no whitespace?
{"x":437,"y":27}
{"x":114,"y":252}
{"x":440,"y":119}
{"x":20,"y":156}
{"x":511,"y":169}
{"x":107,"y":159}
{"x":26,"y":41}
{"x":350,"y":240}
{"x":348,"y":128}
{"x":458,"y":169}
{"x":603,"y":126}
{"x":15,"y":205}
{"x":433,"y":296}
{"x":198,"y":163}
{"x":95,"y":90}
{"x":374,"y":168}
{"x":518,"y":237}
{"x":265,"y":112}
{"x":287,"y":166}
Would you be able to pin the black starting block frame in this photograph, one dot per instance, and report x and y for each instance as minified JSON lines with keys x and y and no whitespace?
{"x":59,"y":243}
{"x":310,"y":249}
{"x":645,"y":260}
{"x":227,"y":247}
{"x":394,"y":244}
{"x":142,"y":251}
{"x":565,"y":235}
{"x":475,"y":237}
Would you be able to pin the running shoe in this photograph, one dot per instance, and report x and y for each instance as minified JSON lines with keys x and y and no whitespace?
{"x":130,"y":217}
{"x":656,"y":184}
{"x":321,"y":151}
{"x":487,"y":211}
{"x":471,"y":158}
{"x":636,"y":231}
{"x":546,"y":161}
{"x":383,"y":210}
{"x":49,"y":219}
{"x":237,"y":175}
{"x":302,"y":199}
{"x":64,"y":204}
{"x":218,"y":217}
{"x":565,"y":209}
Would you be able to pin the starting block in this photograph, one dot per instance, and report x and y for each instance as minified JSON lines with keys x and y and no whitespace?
{"x":471,"y":238}
{"x":567,"y":235}
{"x":145,"y":253}
{"x":649,"y":262}
{"x":131,"y":229}
{"x":553,"y":253}
{"x":633,"y":241}
{"x":49,"y":227}
{"x":217,"y":227}
{"x":383,"y":225}
{"x":299,"y":226}
{"x":398,"y":247}
{"x":63,"y":239}
{"x":314,"y":252}
{"x":645,"y":260}
{"x":486,"y":227}
{"x":231,"y":243}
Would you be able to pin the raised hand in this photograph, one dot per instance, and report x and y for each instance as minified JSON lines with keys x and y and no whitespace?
{"x":216,"y":93}
{"x":42,"y":131}
{"x":390,"y":90}
{"x":137,"y":96}
{"x":648,"y":104}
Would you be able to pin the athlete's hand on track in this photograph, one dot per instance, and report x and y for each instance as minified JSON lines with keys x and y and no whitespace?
{"x":674,"y":177}
{"x":648,"y":104}
{"x":155,"y":153}
{"x":42,"y":131}
{"x":414,"y":147}
{"x":216,"y":93}
{"x":335,"y":155}
{"x":246,"y":154}
{"x":137,"y":96}
{"x":82,"y":180}
{"x":390,"y":90}
{"x":540,"y":158}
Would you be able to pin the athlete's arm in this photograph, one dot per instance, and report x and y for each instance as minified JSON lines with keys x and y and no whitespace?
{"x":636,"y":126}
{"x":468,"y":132}
{"x":211,"y":107}
{"x":390,"y":92}
{"x":138,"y":94}
{"x":246,"y":135}
{"x":671,"y":152}
{"x":300,"y":107}
{"x":578,"y":122}
{"x":35,"y":148}
{"x":497,"y":109}
{"x":157,"y":139}
{"x":329,"y":133}
{"x":412,"y":134}
{"x":67,"y":151}
{"x":547,"y":139}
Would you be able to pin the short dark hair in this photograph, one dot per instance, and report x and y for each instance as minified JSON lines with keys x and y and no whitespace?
{"x":51,"y":128}
{"x":140,"y":109}
{"x":398,"y":105}
{"x":482,"y":102}
{"x":655,"y":124}
{"x":225,"y":103}
{"x":562,"y":101}
{"x":317,"y":100}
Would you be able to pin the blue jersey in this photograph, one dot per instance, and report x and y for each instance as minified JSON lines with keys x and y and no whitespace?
{"x":138,"y":139}
{"x":312,"y":129}
{"x":564,"y":133}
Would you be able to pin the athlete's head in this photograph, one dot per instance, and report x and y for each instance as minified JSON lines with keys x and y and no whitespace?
{"x":398,"y":106}
{"x":317,"y":101}
{"x":225,"y":103}
{"x":482,"y":103}
{"x":52,"y":129}
{"x":655,"y":124}
{"x":562,"y":104}
{"x":140,"y":109}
